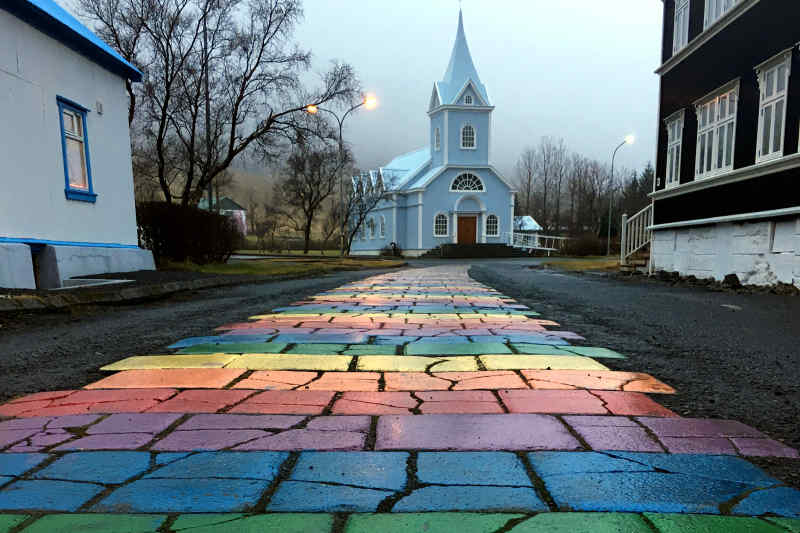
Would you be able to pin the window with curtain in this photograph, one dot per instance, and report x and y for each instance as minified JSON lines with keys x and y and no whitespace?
{"x":716,"y":133}
{"x":680,"y":30}
{"x":715,"y":9}
{"x":674,"y":138}
{"x":773,"y":79}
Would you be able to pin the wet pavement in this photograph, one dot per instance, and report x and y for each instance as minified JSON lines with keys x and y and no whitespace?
{"x":417,"y":400}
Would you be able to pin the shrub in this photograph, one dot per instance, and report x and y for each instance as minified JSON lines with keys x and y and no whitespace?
{"x":586,"y":244}
{"x":178,"y":233}
{"x":391,"y":251}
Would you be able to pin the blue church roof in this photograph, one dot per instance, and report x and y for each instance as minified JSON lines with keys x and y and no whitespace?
{"x":53,"y":20}
{"x":404,"y":167}
{"x":460,"y":70}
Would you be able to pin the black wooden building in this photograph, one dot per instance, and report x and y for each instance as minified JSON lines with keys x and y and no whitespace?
{"x":727,"y":192}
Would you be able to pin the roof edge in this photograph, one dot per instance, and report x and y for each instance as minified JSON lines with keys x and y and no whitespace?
{"x":49,"y":24}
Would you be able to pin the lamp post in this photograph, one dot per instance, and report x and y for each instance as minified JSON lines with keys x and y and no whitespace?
{"x":370,"y":102}
{"x":629,"y":139}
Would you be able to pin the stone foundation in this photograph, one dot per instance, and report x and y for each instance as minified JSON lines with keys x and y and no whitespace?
{"x":57,"y":263}
{"x":763,"y":252}
{"x":16,"y":266}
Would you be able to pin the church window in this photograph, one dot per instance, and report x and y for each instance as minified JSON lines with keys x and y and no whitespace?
{"x":440,"y":226}
{"x":468,"y":137}
{"x":492,"y":226}
{"x":371,"y":228}
{"x":468,"y":99}
{"x":437,"y":139}
{"x":382,"y":228}
{"x":467,"y":182}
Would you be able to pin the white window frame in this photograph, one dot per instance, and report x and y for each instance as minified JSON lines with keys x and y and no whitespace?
{"x":674,"y":124}
{"x":371,"y":228}
{"x":768,"y":74}
{"x":680,"y":28}
{"x":436,"y":219}
{"x":496,"y":232}
{"x":715,"y":10}
{"x":468,"y":99}
{"x":474,"y":137}
{"x":716,"y":121}
{"x":437,"y":139}
{"x":382,"y":227}
{"x":462,"y":175}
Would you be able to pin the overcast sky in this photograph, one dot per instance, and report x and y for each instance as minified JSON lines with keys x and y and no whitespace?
{"x":581,"y":70}
{"x":577,"y":69}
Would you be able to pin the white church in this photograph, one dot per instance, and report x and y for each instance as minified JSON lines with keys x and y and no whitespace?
{"x":448,"y":191}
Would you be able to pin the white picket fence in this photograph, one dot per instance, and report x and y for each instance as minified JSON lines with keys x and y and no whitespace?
{"x":534,"y":241}
{"x":636,"y":233}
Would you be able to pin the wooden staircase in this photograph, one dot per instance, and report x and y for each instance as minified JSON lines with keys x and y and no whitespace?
{"x":635,"y":241}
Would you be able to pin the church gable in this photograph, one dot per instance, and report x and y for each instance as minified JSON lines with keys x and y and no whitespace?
{"x":435,"y":100}
{"x":469,"y":95}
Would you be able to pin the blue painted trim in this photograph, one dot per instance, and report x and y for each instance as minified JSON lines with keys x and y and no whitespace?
{"x":73,"y":104}
{"x":79,"y":195}
{"x":51,"y":19}
{"x":72,"y":193}
{"x":21,"y":240}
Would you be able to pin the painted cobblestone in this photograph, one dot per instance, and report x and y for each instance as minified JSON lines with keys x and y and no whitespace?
{"x":425,"y":397}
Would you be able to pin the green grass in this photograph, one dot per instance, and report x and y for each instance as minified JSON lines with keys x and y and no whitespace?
{"x":284,"y":267}
{"x":579,"y":264}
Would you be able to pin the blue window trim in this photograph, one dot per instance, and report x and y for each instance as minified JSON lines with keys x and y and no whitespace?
{"x":29,"y":241}
{"x":72,"y":193}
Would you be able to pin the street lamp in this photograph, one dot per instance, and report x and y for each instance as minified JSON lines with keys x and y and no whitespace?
{"x":629,"y":139}
{"x":369,"y":101}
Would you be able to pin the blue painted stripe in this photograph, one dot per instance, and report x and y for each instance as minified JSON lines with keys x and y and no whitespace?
{"x":20,"y":240}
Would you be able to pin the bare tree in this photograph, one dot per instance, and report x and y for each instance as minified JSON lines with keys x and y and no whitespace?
{"x":331,"y":222}
{"x":244,"y":49}
{"x":526,"y":170}
{"x":362,"y":195}
{"x":312,"y":173}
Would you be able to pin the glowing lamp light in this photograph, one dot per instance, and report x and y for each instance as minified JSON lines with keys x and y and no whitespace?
{"x":630,"y":139}
{"x":312,"y":109}
{"x":370,"y":101}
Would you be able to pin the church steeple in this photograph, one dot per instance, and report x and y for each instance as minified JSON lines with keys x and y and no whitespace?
{"x":460,"y":71}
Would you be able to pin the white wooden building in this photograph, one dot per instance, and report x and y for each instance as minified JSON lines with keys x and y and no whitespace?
{"x":67,"y":203}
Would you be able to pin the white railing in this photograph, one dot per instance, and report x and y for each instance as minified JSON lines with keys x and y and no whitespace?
{"x":534,"y":241}
{"x":636,"y":233}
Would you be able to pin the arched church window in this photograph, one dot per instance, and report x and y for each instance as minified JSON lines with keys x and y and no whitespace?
{"x":468,"y":100}
{"x":371,"y":228}
{"x":467,"y":182}
{"x":440,"y":225}
{"x":437,"y":139}
{"x":382,"y":229}
{"x":468,"y":137}
{"x":492,"y":226}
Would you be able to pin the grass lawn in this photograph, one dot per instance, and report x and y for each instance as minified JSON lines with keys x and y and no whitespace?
{"x":601,"y":262}
{"x":327,"y":253}
{"x":285,"y":267}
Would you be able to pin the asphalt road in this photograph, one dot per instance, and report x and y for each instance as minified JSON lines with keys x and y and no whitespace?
{"x":729,"y":355}
{"x":52,"y":351}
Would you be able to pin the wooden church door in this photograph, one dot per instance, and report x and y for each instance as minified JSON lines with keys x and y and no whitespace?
{"x":467,"y":230}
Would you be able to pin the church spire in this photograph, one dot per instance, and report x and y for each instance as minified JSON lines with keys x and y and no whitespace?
{"x":461,"y":69}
